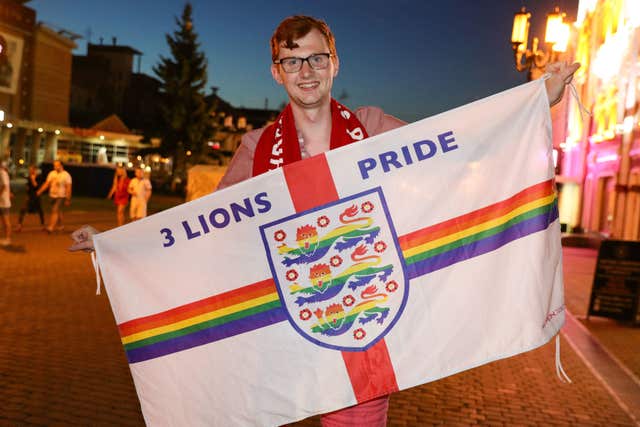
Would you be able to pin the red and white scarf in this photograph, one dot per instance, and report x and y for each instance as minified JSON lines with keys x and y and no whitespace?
{"x":279,"y":146}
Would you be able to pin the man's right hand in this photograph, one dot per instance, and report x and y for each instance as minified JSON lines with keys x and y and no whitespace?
{"x":83,"y":238}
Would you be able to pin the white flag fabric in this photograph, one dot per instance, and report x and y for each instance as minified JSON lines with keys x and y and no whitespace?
{"x":389,"y":263}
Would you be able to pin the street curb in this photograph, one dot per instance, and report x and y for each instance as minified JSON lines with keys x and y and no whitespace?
{"x":620,"y":382}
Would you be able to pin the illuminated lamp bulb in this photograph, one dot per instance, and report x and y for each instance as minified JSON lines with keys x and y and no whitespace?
{"x":554,"y":24}
{"x":563,"y":38}
{"x":520,"y":31}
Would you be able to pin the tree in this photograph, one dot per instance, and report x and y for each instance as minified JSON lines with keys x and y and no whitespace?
{"x":186,"y":115}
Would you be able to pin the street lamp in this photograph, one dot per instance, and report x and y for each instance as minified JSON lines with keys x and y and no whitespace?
{"x":556,"y":39}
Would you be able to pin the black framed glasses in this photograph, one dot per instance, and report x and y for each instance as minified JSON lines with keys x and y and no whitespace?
{"x":317,"y":61}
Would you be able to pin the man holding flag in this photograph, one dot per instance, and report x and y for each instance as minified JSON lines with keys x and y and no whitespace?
{"x":305,"y":62}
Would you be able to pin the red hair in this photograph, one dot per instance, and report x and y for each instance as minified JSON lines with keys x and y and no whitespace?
{"x":296,"y":27}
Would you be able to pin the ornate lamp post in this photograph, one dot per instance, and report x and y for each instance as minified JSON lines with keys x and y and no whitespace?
{"x":534,"y":60}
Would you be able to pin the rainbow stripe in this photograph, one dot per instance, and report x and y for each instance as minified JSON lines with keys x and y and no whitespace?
{"x":480,"y":231}
{"x":258,"y":305}
{"x":202,"y":322}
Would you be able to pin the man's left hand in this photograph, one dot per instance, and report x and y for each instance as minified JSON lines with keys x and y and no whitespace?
{"x":561,"y":75}
{"x":83,"y":239}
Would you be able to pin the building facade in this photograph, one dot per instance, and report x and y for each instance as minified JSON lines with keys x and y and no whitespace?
{"x":598,"y":136}
{"x":100,"y":81}
{"x":35,"y":89}
{"x":34,"y":84}
{"x":90,"y":108}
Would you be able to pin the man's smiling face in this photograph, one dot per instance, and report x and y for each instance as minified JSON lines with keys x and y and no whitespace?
{"x":307,"y":88}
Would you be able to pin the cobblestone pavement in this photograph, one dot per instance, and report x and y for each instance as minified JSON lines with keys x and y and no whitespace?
{"x":61,"y":362}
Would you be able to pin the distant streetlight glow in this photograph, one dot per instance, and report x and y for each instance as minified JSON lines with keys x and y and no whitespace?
{"x":633,"y":13}
{"x":607,"y":158}
{"x":627,"y":124}
{"x":609,"y":56}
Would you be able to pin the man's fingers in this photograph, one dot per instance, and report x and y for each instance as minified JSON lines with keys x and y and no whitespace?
{"x":86,"y":246}
{"x":79,"y":235}
{"x":563,"y":68}
{"x":569,"y":71}
{"x":83,"y":238}
{"x":83,"y":233}
{"x":573,"y":68}
{"x":552,"y":68}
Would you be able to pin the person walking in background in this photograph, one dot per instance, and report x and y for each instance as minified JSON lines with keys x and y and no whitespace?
{"x":140,"y":190}
{"x":120,"y":193}
{"x":5,"y":203}
{"x":59,"y":184}
{"x":32,"y":202}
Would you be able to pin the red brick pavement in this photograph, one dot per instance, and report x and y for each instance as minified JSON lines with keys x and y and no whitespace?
{"x":61,"y":362}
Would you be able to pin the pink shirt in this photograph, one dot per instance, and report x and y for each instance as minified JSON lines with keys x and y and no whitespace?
{"x":373,"y":119}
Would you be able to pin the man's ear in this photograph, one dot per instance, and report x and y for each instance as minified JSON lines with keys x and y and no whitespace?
{"x":336,"y":65}
{"x":275,"y":73}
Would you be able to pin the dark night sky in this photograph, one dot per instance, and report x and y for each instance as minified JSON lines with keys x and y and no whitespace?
{"x":412,"y":58}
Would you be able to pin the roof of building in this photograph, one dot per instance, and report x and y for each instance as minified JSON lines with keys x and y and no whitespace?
{"x":113,"y":48}
{"x":112,"y":123}
{"x":257,"y":117}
